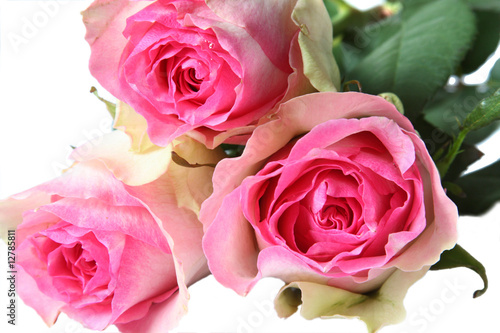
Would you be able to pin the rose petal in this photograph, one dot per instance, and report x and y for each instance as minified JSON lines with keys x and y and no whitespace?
{"x":105,"y":21}
{"x":136,"y":259}
{"x":88,"y":180}
{"x":383,"y":307}
{"x":92,"y":214}
{"x":129,"y":166}
{"x":441,"y":231}
{"x":161,"y":317}
{"x":46,"y":307}
{"x":193,"y":185}
{"x":281,"y":263}
{"x":95,"y":317}
{"x":132,"y":123}
{"x":11,"y":209}
{"x":183,"y":232}
{"x":237,"y":270}
{"x":272,"y":31}
{"x":316,"y":40}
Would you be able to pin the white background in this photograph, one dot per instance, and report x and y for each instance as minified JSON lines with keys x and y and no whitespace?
{"x":45,"y":107}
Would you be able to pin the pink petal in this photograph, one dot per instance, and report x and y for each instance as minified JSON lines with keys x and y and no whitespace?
{"x":136,"y":259}
{"x":281,"y":263}
{"x":89,"y":180}
{"x":273,"y":30}
{"x":441,"y":231}
{"x":46,"y":307}
{"x":94,"y":215}
{"x":161,"y":317}
{"x":237,"y":270}
{"x":105,"y":21}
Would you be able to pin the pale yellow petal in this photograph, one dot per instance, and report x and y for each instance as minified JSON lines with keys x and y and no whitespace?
{"x":193,"y":184}
{"x":135,"y":125}
{"x":316,"y":42}
{"x":377,"y":309}
{"x":130,"y":166}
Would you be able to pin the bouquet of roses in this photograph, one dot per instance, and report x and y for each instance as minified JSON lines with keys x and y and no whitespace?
{"x":303,"y":140}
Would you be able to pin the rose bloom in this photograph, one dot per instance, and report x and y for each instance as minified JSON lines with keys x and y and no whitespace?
{"x":211,"y":69}
{"x":338,"y":197}
{"x":105,"y":252}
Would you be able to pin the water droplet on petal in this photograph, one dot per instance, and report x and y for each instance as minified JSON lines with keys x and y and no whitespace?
{"x":210,"y":45}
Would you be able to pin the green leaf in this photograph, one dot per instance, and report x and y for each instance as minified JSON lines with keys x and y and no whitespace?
{"x":437,"y":143}
{"x":458,"y":257}
{"x":486,"y":112}
{"x":481,"y":188}
{"x":484,"y":4}
{"x":413,"y":54}
{"x":111,"y":107}
{"x":486,"y":41}
{"x":338,"y":11}
{"x":483,"y":115}
{"x":450,"y":108}
{"x":346,"y":55}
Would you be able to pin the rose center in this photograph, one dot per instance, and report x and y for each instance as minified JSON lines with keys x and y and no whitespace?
{"x":334,"y":217}
{"x":72,"y":264}
{"x":181,"y":75}
{"x":190,"y":79}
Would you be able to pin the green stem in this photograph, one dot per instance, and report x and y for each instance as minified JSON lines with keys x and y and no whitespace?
{"x":444,"y":164}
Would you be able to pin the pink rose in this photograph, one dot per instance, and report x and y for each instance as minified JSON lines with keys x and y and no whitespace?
{"x":338,"y":192}
{"x":104,"y":252}
{"x":211,"y":69}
